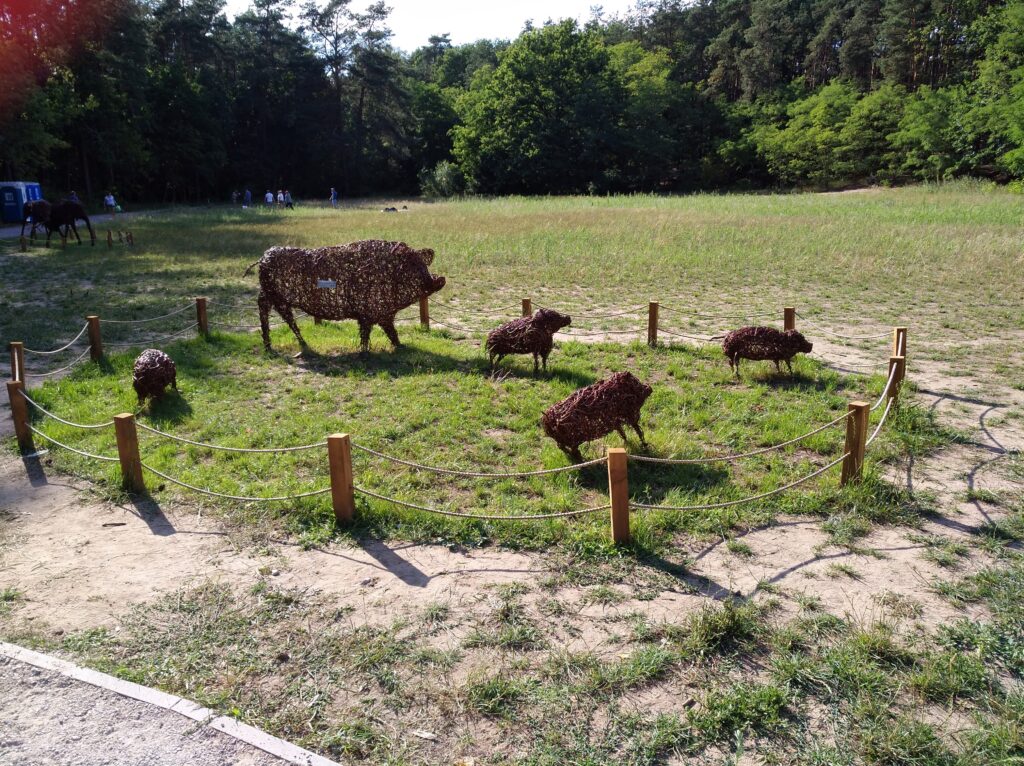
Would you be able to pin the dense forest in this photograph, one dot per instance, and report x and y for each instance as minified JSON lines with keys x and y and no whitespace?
{"x":169,"y":100}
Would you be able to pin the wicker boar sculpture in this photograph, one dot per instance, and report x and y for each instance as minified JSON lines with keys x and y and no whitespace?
{"x":369,"y":281}
{"x":596,"y":411}
{"x":529,"y":335}
{"x":152,"y":373}
{"x":764,"y":343}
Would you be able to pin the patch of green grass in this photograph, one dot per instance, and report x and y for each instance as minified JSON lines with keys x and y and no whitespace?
{"x":837,"y":570}
{"x":604,"y":595}
{"x":719,"y":629}
{"x":9,"y":596}
{"x":741,"y":706}
{"x":941,"y":550}
{"x":943,"y":677}
{"x":739,"y":548}
{"x":496,"y":696}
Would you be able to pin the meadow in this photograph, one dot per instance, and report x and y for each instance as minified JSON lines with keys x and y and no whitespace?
{"x":571,"y":666}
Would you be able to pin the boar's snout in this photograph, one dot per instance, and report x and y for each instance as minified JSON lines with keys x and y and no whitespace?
{"x":436,"y":284}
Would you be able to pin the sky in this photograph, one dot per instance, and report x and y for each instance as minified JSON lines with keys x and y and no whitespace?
{"x":413,"y":21}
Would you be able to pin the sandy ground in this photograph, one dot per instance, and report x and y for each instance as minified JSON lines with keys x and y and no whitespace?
{"x":100,"y":728}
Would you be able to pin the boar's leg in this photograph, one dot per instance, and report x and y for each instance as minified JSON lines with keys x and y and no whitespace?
{"x":544,"y":358}
{"x":777,"y":367}
{"x":264,"y":305}
{"x":388,"y":326}
{"x":789,"y":365}
{"x":536,"y":364}
{"x":736,"y":363}
{"x":621,"y":432}
{"x":365,"y":326}
{"x":635,"y":425}
{"x":572,"y":450}
{"x":285,"y":311}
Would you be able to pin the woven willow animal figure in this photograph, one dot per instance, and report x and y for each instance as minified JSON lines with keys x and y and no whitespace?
{"x":152,"y":373}
{"x":764,"y":343}
{"x":596,"y":411}
{"x":529,"y":335}
{"x":369,"y":281}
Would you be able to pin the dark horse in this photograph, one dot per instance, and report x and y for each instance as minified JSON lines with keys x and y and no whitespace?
{"x":39,"y":212}
{"x":64,"y":214}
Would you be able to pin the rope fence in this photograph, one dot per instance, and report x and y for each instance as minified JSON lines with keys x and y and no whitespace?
{"x":339,"y":447}
{"x":66,"y":346}
{"x":741,"y":501}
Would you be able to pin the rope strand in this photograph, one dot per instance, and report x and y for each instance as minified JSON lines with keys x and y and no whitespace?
{"x":60,"y":419}
{"x":104,"y":458}
{"x":66,"y":346}
{"x":243,"y":498}
{"x":149,"y":319}
{"x":740,"y":456}
{"x":182,"y":439}
{"x":482,"y":516}
{"x":840,"y":335}
{"x":59,"y":369}
{"x":762,"y":496}
{"x":478,"y":474}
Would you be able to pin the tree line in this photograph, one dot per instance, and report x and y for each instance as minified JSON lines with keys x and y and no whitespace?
{"x":169,"y":100}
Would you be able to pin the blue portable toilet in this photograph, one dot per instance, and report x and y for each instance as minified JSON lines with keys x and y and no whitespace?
{"x":14,"y":195}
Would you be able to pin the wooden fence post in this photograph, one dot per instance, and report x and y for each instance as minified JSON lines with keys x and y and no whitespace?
{"x":24,"y":244}
{"x":204,"y":325}
{"x":425,"y":312}
{"x":618,"y":491}
{"x":95,"y":339}
{"x":128,"y":452}
{"x":856,"y":436}
{"x":17,"y":349}
{"x":789,"y":318}
{"x":110,"y":239}
{"x":900,"y":363}
{"x":19,"y":414}
{"x":899,"y":341}
{"x":339,"y":458}
{"x":652,"y":324}
{"x":527,"y":308}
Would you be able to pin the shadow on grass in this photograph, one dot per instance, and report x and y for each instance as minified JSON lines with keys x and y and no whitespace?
{"x":170,"y":409}
{"x":414,"y":360}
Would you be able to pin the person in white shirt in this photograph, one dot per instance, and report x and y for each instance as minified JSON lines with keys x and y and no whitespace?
{"x":269,"y":198}
{"x":110,"y":204}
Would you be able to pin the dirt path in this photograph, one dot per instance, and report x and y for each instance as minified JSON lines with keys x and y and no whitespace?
{"x":46,"y":717}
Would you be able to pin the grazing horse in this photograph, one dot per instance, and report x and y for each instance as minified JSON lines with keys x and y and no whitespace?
{"x":64,"y":214}
{"x":39,"y":211}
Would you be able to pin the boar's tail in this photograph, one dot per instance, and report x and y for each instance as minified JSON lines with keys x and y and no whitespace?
{"x":252,"y":266}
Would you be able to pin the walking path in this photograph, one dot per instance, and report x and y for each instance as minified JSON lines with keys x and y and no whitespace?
{"x":49,"y":715}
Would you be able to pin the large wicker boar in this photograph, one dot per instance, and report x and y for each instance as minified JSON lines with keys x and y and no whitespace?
{"x":369,"y":281}
{"x":596,"y":411}
{"x":764,"y":343}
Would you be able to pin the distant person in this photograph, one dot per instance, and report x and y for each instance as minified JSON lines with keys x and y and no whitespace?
{"x":288,"y":200}
{"x":280,"y":198}
{"x":109,"y":204}
{"x":74,"y":197}
{"x":334,"y":197}
{"x":247,"y":199}
{"x":234,"y":197}
{"x":269,"y":198}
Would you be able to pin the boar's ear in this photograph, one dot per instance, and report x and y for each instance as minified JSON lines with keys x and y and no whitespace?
{"x":427,"y":255}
